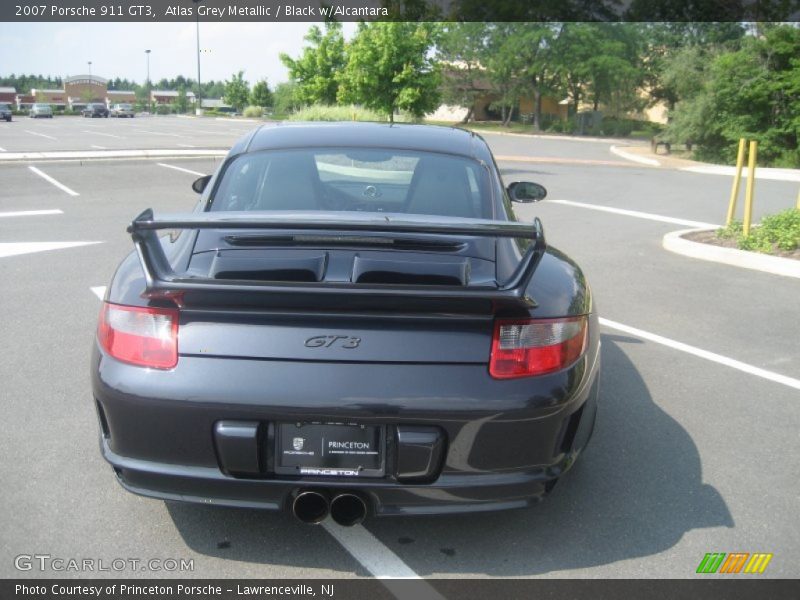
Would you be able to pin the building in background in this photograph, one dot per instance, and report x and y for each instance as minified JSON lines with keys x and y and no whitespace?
{"x":55,"y":98}
{"x":80,"y":90}
{"x":167,"y":97}
{"x":8,"y":95}
{"x":83,"y":89}
{"x":120,"y":97}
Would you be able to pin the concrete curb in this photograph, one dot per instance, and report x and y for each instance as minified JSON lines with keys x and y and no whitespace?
{"x":106,"y":154}
{"x":771,"y":173}
{"x":776,"y":265}
{"x":567,"y":138}
{"x":635,"y":157}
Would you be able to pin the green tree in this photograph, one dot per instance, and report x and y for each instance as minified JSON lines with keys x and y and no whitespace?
{"x":182,"y":103}
{"x":521,"y":61}
{"x":317,"y":68}
{"x":237,"y":91}
{"x":461,"y":51}
{"x":753,"y":92}
{"x":285,"y":99}
{"x":389,"y":67}
{"x":661,"y":43}
{"x":504,"y":68}
{"x":261,"y":95}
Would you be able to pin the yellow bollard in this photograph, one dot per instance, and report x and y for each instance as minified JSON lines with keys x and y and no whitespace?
{"x":797,"y":206}
{"x":748,"y":192}
{"x":736,"y":179}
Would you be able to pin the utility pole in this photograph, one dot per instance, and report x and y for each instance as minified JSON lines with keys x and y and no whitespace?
{"x":198,"y":97}
{"x":149,"y":92}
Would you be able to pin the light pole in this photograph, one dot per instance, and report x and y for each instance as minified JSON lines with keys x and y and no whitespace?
{"x":198,"y":98}
{"x":90,"y":78}
{"x":149,"y":106}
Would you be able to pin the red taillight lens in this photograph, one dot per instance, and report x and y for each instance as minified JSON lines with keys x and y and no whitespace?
{"x":536,"y":346}
{"x":147,"y":337}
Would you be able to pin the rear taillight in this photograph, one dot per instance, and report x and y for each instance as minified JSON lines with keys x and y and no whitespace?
{"x":523,"y":348}
{"x":147,"y":337}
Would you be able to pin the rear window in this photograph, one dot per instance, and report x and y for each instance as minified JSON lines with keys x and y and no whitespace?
{"x":347,"y":179}
{"x":3,"y":106}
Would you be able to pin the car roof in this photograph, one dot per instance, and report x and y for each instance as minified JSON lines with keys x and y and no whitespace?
{"x":398,"y":136}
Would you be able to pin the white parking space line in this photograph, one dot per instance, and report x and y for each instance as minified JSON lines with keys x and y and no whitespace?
{"x":376,"y":558}
{"x":637,"y":214}
{"x":16,"y":248}
{"x":159,"y":133}
{"x":44,"y":135}
{"x":705,"y":354}
{"x":111,"y":135}
{"x":185,"y":145}
{"x":49,"y":179}
{"x":212,"y":132}
{"x":31,"y":213}
{"x":2,"y":149}
{"x":97,"y":147}
{"x":634,"y":157}
{"x":237,"y":120}
{"x":181,"y":169}
{"x":99,"y":291}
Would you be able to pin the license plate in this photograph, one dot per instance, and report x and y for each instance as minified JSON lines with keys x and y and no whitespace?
{"x":329,"y":450}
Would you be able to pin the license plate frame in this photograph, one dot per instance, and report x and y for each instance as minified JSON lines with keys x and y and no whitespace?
{"x":325,"y":449}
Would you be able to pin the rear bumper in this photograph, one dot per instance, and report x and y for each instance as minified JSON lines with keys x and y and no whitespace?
{"x":507,"y":442}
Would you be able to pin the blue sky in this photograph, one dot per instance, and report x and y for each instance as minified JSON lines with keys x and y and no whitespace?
{"x":117,"y":49}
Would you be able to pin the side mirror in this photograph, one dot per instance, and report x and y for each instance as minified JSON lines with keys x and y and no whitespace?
{"x":199,"y":185}
{"x":526,"y":191}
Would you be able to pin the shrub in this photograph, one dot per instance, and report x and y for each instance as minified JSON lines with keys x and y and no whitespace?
{"x":253,"y":112}
{"x":780,"y":231}
{"x":323,"y":112}
{"x":612,"y":126}
{"x":623,"y":128}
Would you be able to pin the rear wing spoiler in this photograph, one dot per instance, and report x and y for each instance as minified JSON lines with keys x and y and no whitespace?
{"x":161,"y":279}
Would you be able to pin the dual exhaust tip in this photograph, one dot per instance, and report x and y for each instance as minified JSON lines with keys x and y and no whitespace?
{"x":346,"y":509}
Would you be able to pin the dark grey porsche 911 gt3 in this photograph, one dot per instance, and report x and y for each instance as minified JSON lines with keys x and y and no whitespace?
{"x":351,"y":322}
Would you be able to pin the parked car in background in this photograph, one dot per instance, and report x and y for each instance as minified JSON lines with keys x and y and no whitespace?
{"x":5,"y":111}
{"x":95,"y":109}
{"x":122,"y":110}
{"x":41,"y":110}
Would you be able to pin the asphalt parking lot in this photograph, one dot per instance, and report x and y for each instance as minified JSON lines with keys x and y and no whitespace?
{"x":689,"y":455}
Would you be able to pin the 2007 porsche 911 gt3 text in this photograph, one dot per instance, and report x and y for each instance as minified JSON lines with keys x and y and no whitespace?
{"x":350,"y":322}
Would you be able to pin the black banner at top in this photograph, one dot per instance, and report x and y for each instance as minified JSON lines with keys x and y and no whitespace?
{"x":397,"y":10}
